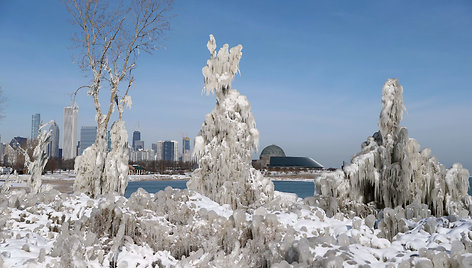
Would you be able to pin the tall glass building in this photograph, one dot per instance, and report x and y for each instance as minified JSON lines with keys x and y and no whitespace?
{"x":185,"y":145}
{"x":35,"y":121}
{"x":170,"y":151}
{"x":69,"y":140}
{"x":136,"y":137}
{"x":186,"y":155}
{"x":53,"y":146}
{"x":88,"y":134}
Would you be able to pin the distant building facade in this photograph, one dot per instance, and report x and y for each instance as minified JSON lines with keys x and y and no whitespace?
{"x":53,"y":145}
{"x":136,"y":137}
{"x":170,"y":151}
{"x":186,"y":152}
{"x":69,"y":139}
{"x":139,"y":145}
{"x":274,"y":156}
{"x":18,"y":141}
{"x":141,"y":155}
{"x":159,"y":150}
{"x":35,"y":121}
{"x":88,"y":134}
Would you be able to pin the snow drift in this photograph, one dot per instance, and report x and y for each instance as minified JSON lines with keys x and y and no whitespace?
{"x":181,"y":228}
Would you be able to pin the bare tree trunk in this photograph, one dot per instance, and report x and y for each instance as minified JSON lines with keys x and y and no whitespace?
{"x":89,"y":167}
{"x":112,"y":36}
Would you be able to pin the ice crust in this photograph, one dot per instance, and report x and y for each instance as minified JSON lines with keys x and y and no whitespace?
{"x":227,"y":138}
{"x":182,"y":228}
{"x":392,"y":171}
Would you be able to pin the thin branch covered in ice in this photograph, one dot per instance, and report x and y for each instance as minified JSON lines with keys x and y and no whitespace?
{"x":35,"y":166}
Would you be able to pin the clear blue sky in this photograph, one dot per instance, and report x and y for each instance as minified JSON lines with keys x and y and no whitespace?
{"x":312,"y":70}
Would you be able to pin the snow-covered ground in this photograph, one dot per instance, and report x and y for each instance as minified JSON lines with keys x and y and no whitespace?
{"x":159,"y":177}
{"x":183,"y":228}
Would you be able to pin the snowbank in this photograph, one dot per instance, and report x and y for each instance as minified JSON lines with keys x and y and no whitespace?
{"x":183,"y":228}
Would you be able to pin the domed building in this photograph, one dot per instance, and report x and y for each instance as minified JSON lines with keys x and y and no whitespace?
{"x":268,"y":152}
{"x":274,"y":156}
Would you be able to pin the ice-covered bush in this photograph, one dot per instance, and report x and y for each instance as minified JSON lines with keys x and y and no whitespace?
{"x":99,"y":171}
{"x":392,"y":171}
{"x":227,"y":138}
{"x":36,"y":164}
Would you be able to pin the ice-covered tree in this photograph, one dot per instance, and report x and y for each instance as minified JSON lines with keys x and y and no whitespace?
{"x":36,"y":164}
{"x":111,"y":36}
{"x":392,"y":171}
{"x":227,"y":138}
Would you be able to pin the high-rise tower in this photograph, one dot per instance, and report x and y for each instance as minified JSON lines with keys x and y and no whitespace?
{"x":186,"y":155}
{"x":170,"y":151}
{"x":69,"y":142}
{"x":35,"y":121}
{"x":53,"y":146}
{"x":136,"y":137}
{"x":88,"y":134}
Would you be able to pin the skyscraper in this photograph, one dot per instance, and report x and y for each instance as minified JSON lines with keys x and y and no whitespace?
{"x":53,"y":146}
{"x":88,"y":134}
{"x":185,"y":144}
{"x":69,"y":141}
{"x":186,"y":155}
{"x":139,"y":145}
{"x":35,"y":121}
{"x":136,"y":137}
{"x":170,"y":151}
{"x":159,"y":150}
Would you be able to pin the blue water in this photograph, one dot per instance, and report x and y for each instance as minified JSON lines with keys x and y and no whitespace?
{"x":470,"y":186}
{"x":301,"y":188}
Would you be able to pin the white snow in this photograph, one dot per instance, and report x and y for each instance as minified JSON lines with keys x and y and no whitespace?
{"x":184,"y":228}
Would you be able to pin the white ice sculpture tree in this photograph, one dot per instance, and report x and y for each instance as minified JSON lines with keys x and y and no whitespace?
{"x":227,"y":138}
{"x":111,"y":37}
{"x":36,"y":164}
{"x":392,"y":171}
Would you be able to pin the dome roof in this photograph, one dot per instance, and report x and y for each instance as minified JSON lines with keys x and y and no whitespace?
{"x":272,"y":150}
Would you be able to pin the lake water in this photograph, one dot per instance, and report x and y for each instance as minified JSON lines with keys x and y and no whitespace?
{"x":470,"y":186}
{"x":301,"y":188}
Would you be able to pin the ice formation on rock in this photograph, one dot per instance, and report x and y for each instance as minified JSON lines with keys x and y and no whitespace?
{"x":227,"y":138}
{"x":392,"y":171}
{"x":94,"y":176}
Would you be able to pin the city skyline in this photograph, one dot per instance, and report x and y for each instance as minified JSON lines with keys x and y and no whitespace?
{"x":310,"y":93}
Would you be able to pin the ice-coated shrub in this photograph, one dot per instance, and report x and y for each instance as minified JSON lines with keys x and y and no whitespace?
{"x":392,"y":171}
{"x":99,"y":172}
{"x":227,"y":138}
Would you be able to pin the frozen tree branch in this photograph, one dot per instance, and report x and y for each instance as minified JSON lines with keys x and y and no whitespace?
{"x":111,"y":36}
{"x":35,"y":166}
